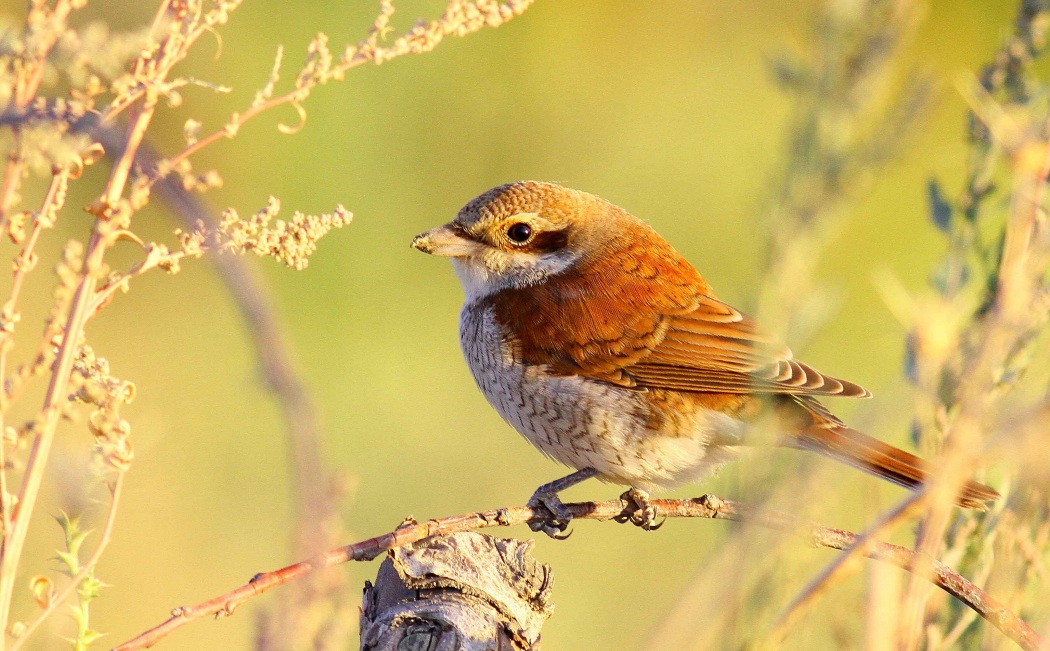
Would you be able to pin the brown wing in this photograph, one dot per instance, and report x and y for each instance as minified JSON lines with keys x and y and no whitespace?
{"x":716,"y":348}
{"x":639,"y":315}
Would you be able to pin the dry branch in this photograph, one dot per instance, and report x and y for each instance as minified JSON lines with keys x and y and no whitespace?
{"x":706,"y":506}
{"x":141,"y":80}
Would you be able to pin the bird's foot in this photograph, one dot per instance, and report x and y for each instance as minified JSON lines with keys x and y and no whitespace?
{"x":546,"y":496}
{"x":643,"y":514}
{"x":557,"y":525}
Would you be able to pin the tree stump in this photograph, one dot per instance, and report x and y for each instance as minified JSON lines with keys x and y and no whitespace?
{"x":461,"y":592}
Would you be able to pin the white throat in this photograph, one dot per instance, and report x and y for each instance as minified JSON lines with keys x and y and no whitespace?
{"x":481,"y":277}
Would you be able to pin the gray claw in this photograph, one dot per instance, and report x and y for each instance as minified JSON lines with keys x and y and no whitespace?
{"x":546,"y":496}
{"x":644,"y":515}
{"x":555,"y":526}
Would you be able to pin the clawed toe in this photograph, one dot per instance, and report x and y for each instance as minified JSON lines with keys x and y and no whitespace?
{"x":556,"y":529}
{"x":643,"y":514}
{"x":546,"y":497}
{"x":558,"y":523}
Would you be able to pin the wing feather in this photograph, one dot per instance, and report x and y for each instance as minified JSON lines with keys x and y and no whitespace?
{"x":640,"y":316}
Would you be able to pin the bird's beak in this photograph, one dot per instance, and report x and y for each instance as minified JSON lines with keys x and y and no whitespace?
{"x":444,"y":241}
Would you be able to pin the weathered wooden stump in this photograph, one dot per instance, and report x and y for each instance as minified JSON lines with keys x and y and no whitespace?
{"x":462,"y":592}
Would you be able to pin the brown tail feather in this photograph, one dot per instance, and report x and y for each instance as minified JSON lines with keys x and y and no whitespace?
{"x":882,"y":460}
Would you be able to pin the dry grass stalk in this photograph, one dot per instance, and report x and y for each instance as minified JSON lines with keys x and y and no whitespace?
{"x":110,"y":80}
{"x":970,"y":343}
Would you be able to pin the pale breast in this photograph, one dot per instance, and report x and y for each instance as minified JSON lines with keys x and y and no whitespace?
{"x":586,"y":423}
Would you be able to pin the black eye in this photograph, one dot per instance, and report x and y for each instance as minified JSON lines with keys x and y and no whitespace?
{"x":519,"y":232}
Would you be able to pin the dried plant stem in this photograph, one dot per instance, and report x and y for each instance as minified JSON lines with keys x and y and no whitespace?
{"x":24,"y":263}
{"x":834,"y":572}
{"x":1009,"y":320}
{"x":38,"y":455}
{"x":9,"y":189}
{"x":707,"y":506}
{"x":89,"y":565}
{"x":421,"y":38}
{"x":26,"y":86}
{"x":119,"y":176}
{"x":211,"y":138}
{"x":166,"y":61}
{"x":16,"y":524}
{"x":57,"y":391}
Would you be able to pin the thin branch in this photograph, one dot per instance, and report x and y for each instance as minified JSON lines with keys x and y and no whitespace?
{"x":460,"y":18}
{"x":836,"y":571}
{"x":707,"y":506}
{"x":57,"y":395}
{"x":23,"y":264}
{"x":26,"y":86}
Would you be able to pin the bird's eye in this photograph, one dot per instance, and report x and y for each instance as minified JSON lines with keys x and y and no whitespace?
{"x":520,"y":232}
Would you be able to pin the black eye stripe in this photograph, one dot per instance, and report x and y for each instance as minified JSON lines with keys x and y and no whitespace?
{"x":548,"y":241}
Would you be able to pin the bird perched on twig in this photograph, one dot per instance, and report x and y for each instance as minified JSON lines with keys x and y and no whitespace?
{"x":610,"y":353}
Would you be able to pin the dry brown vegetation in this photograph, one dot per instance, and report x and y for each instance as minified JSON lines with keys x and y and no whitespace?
{"x":974,"y":334}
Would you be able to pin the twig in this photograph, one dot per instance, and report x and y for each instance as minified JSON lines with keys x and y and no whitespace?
{"x":89,"y":565}
{"x":460,"y":18}
{"x":26,"y":86}
{"x":57,"y":394}
{"x":707,"y":506}
{"x":24,"y":263}
{"x":1009,"y":322}
{"x":836,"y":571}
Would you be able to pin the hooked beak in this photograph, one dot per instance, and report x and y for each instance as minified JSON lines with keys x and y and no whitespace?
{"x":444,"y":241}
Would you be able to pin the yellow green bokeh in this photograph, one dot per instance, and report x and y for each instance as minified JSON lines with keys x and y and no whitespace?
{"x":667,"y":108}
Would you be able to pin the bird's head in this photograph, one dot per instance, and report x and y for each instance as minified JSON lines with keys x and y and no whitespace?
{"x":519,"y":234}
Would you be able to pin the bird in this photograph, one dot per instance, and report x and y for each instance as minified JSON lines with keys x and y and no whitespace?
{"x":609,"y":352}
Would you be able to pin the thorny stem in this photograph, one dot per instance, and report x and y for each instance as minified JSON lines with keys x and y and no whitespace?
{"x":707,"y":506}
{"x":89,"y":565}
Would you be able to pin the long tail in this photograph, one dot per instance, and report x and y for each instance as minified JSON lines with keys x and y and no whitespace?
{"x":882,"y":460}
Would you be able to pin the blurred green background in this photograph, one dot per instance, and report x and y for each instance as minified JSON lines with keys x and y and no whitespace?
{"x":667,"y":108}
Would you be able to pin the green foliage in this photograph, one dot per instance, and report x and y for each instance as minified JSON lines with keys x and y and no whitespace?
{"x":89,"y":587}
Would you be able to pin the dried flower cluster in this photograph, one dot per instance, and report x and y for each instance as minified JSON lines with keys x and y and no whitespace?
{"x":291,"y":242}
{"x":63,"y":92}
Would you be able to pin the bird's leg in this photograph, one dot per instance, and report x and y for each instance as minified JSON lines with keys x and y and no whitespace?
{"x":547,"y":497}
{"x":644,"y":514}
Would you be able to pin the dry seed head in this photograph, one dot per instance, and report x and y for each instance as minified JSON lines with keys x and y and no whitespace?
{"x":291,"y":242}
